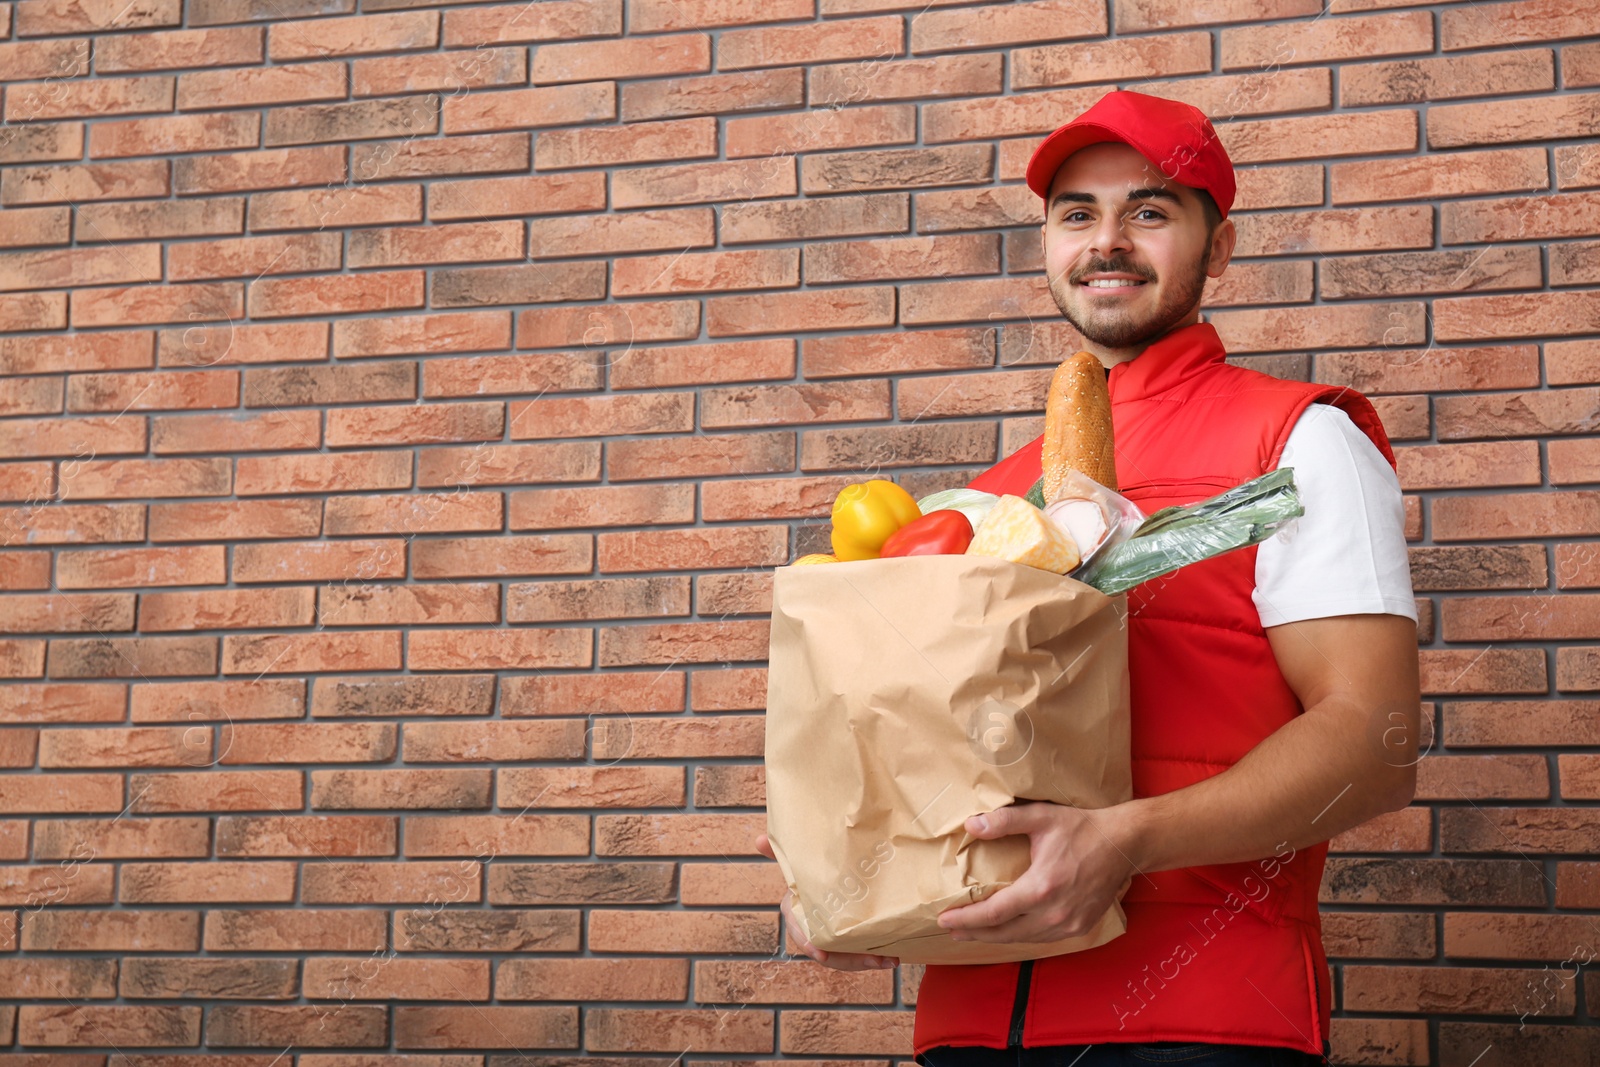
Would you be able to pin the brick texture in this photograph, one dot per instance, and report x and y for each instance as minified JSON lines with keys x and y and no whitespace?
{"x":403,"y":403}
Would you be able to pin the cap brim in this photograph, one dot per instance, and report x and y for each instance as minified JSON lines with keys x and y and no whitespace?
{"x":1054,"y":150}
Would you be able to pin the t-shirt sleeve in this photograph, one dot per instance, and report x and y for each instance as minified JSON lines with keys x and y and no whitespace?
{"x":1347,"y":554}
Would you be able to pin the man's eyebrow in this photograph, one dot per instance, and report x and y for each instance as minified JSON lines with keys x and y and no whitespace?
{"x":1154,"y":192}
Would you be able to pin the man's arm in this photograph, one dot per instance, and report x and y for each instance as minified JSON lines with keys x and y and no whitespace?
{"x":1351,"y":755}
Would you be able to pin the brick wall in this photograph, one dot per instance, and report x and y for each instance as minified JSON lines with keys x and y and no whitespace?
{"x":403,"y":406}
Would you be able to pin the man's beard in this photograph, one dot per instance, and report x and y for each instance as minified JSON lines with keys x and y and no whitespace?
{"x":1113,"y":327}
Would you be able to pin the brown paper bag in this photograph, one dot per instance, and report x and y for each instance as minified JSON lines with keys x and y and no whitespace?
{"x":905,"y":695}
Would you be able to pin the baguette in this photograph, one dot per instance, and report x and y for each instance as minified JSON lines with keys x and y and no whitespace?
{"x":1077,"y":425}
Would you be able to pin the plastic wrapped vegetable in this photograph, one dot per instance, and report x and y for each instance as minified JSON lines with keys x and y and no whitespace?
{"x":1177,"y":536}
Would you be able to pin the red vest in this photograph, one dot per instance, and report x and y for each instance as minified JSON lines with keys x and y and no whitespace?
{"x":1228,"y":953}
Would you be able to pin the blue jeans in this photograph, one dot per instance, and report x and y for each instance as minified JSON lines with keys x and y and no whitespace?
{"x":1119,"y":1054}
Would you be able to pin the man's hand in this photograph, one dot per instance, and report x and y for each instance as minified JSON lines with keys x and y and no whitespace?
{"x":839,"y":961}
{"x":1076,"y":870}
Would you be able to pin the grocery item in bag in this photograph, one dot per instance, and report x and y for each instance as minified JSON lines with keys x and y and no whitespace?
{"x":908,"y":694}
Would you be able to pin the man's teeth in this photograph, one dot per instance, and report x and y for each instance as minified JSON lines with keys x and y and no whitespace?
{"x":1110,"y":283}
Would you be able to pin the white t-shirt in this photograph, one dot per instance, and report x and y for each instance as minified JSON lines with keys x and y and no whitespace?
{"x":1347,"y":554}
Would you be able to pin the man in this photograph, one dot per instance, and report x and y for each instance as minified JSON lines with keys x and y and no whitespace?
{"x":1274,"y":689}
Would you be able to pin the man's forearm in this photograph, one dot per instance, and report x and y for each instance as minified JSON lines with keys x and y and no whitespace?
{"x":1321,"y":773}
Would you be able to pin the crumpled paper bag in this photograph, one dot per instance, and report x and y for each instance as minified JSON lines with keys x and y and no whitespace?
{"x":905,"y":695}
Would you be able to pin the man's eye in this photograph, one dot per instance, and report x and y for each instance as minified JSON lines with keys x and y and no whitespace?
{"x":1149,"y":211}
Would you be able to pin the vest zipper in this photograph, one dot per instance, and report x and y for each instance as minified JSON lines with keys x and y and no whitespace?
{"x":1019,"y":1008}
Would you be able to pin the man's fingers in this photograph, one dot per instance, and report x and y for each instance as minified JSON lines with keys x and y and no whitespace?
{"x":764,"y":846}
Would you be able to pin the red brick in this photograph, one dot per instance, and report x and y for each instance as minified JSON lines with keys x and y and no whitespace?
{"x":24,"y":570}
{"x":1409,"y":370}
{"x":616,"y":324}
{"x":1527,"y":20}
{"x":176,"y":49}
{"x":681,"y":933}
{"x":770,"y":498}
{"x":597,"y":599}
{"x":410,"y":334}
{"x":1474,"y":935}
{"x":132,"y":567}
{"x":466,"y":242}
{"x":38,"y":887}
{"x":732,"y":883}
{"x":413,"y":513}
{"x":491,"y":375}
{"x":1137,"y":15}
{"x":1339,"y":134}
{"x":604,"y":416}
{"x":74,"y":523}
{"x":684,"y":272}
{"x":411,"y":882}
{"x":68,"y":613}
{"x":1577,"y":670}
{"x":1393,"y":988}
{"x":208,"y":881}
{"x":362,"y":119}
{"x":375,"y":650}
{"x":1411,"y":81}
{"x":471,"y":557}
{"x":292,"y":83}
{"x":1572,"y":363}
{"x":530,"y":22}
{"x":1526,"y":315}
{"x":123,"y":838}
{"x":612,"y":1029}
{"x":714,"y":94}
{"x":841,"y":1032}
{"x":411,"y":789}
{"x":993,"y":27}
{"x":758,"y":405}
{"x":1577,"y":566}
{"x":1508,"y":170}
{"x":519,"y":284}
{"x":99,"y":96}
{"x":215,"y":790}
{"x":306,"y":743}
{"x":371,"y":605}
{"x":682,"y":642}
{"x":464,"y":1028}
{"x":640,"y":142}
{"x":820,"y":129}
{"x":1485,"y":670}
{"x":320,"y":560}
{"x":456,"y":742}
{"x":264,"y":432}
{"x":156,"y":746}
{"x":580,"y":61}
{"x":32,"y":396}
{"x":699,"y":183}
{"x":984,"y":118}
{"x":446,"y":70}
{"x":825,"y":309}
{"x":794,"y":220}
{"x":554,"y":509}
{"x":1115,"y":60}
{"x":268,"y":930}
{"x":324,"y":472}
{"x":324,"y":295}
{"x":1529,"y":118}
{"x":677,"y":835}
{"x":704,"y":455}
{"x":1391,"y":324}
{"x":1519,"y":219}
{"x":818,"y":42}
{"x":132,"y":657}
{"x":322,"y":836}
{"x":155,"y":1025}
{"x":355,"y":35}
{"x":489,"y":836}
{"x":1512,"y":515}
{"x":642,"y":368}
{"x":72,"y":182}
{"x":542,"y":194}
{"x":556,"y":694}
{"x":588,"y":980}
{"x":1469,"y":465}
{"x":1339,"y":230}
{"x":191,"y":702}
{"x":275,"y":1026}
{"x":519,"y":649}
{"x":231,"y":343}
{"x":397,"y":978}
{"x":723,"y":546}
{"x":654,"y":16}
{"x":1329,"y":40}
{"x":840,"y":84}
{"x":591,"y":787}
{"x":111,"y":931}
{"x":357,"y":697}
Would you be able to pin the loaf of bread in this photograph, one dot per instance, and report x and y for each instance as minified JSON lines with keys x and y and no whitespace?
{"x":1077,"y":425}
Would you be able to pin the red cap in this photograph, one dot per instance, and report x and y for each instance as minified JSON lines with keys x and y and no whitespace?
{"x":1175,"y":137}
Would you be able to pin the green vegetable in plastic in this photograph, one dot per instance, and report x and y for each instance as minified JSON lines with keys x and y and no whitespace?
{"x":1177,"y":536}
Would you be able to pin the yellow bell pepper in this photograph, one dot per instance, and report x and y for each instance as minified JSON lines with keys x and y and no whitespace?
{"x":815,"y":557}
{"x":865,"y":514}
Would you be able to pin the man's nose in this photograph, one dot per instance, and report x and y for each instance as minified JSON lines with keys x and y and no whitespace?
{"x":1109,"y":236}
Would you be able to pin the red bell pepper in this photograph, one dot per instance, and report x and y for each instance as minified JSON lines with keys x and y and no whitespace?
{"x":938,"y":533}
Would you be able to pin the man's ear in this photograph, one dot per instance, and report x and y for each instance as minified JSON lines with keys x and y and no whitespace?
{"x":1221,"y":250}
